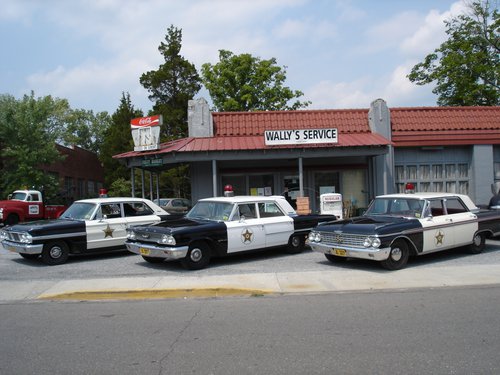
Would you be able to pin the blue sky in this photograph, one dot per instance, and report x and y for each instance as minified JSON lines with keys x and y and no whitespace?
{"x":340,"y":53}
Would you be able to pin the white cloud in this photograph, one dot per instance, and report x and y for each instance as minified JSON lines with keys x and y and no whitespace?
{"x":431,"y":31}
{"x":327,"y":94}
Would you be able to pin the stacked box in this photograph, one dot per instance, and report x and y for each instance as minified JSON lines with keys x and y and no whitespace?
{"x":303,"y":207}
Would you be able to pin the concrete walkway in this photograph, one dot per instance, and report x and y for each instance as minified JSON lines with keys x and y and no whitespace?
{"x":254,"y":284}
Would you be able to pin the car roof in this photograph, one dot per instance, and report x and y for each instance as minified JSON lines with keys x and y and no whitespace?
{"x":243,"y":199}
{"x":114,"y":200}
{"x":465,"y":198}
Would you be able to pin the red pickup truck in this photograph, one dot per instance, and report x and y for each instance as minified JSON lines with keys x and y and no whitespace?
{"x":27,"y":205}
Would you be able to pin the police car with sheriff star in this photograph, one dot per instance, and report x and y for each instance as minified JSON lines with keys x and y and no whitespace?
{"x":222,"y":226}
{"x":398,"y":226}
{"x":88,"y":226}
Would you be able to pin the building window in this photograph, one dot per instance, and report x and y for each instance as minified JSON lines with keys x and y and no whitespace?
{"x":449,"y":177}
{"x":497,"y":171}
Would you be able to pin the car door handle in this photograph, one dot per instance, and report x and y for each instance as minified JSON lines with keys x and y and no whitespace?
{"x":449,"y":220}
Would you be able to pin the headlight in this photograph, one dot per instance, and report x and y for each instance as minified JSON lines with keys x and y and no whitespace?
{"x":167,"y":239}
{"x":3,"y":235}
{"x":371,"y":242}
{"x":314,"y":237}
{"x":26,"y":238}
{"x":130,"y":234}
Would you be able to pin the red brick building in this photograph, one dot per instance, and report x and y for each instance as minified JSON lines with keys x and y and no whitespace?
{"x":80,"y":174}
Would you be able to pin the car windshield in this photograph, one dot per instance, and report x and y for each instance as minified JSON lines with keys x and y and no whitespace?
{"x":216,"y":211}
{"x":406,"y":207}
{"x":79,"y":211}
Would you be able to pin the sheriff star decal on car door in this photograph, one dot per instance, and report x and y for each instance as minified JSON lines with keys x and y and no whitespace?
{"x":246,"y":236}
{"x":439,"y":238}
{"x":108,"y":232}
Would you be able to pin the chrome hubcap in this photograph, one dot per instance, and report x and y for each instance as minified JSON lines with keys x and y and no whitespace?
{"x":196,"y":255}
{"x":396,"y":254}
{"x":55,"y":252}
{"x":477,"y":240}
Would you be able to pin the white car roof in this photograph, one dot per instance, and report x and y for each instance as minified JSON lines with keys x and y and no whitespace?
{"x":244,"y":198}
{"x":154,"y":206}
{"x":465,"y":198}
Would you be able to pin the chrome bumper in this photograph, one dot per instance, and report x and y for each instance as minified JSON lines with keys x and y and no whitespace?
{"x":371,"y":253}
{"x":23,"y":248}
{"x":153,"y":251}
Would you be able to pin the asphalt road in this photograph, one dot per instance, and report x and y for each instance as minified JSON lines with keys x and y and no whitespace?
{"x":125,"y":264}
{"x":433,"y":331}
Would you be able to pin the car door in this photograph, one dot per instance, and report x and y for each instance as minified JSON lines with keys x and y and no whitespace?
{"x":438,"y":228}
{"x":278,"y":227}
{"x":464,"y":222}
{"x":245,"y":231}
{"x":108,"y":228}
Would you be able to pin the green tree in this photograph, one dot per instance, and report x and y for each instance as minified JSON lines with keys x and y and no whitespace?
{"x":86,"y":129}
{"x":29,"y":129}
{"x":466,"y":67}
{"x":118,"y":139}
{"x":247,"y":83}
{"x":171,"y":86}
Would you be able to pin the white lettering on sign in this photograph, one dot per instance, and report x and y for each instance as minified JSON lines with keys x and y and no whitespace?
{"x":304,"y":136}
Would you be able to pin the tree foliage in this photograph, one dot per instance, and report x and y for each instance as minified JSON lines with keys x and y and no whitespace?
{"x":247,"y":83}
{"x":118,"y":139}
{"x":29,"y":129}
{"x":171,"y":86}
{"x":466,"y":67}
{"x":86,"y":129}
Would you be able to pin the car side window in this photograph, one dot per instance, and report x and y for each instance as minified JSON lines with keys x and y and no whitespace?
{"x":454,"y":206}
{"x":269,"y":209}
{"x":110,"y":210}
{"x":247,"y":210}
{"x":136,"y":209}
{"x":436,"y":207}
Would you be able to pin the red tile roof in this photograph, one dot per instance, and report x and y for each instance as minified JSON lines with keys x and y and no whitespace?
{"x":255,"y":123}
{"x":444,"y":126}
{"x":423,"y":126}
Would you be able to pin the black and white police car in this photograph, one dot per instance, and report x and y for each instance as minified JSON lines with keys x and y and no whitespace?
{"x":88,"y":226}
{"x":397,"y":226}
{"x":224,"y":225}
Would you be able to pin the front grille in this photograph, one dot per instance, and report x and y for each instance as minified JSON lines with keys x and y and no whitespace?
{"x":13,"y":236}
{"x":143,"y":236}
{"x":343,"y":239}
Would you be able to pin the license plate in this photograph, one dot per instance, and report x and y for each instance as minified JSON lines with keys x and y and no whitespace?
{"x":144,"y":251}
{"x":338,"y":252}
{"x":10,"y":248}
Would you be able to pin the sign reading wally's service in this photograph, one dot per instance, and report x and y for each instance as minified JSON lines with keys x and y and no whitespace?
{"x":297,"y":137}
{"x":146,"y":132}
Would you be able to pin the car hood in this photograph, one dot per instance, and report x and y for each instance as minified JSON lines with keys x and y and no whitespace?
{"x":177,"y":224}
{"x":45,"y":227}
{"x":368,"y":224}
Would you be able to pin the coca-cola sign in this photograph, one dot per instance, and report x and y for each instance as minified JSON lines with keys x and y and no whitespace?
{"x":146,"y":132}
{"x":146,"y":121}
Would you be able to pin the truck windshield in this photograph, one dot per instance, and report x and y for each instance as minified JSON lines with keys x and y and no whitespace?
{"x":396,"y":207}
{"x":79,"y":211}
{"x":217,"y":211}
{"x":18,"y":196}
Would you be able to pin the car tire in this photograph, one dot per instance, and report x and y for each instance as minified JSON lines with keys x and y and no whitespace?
{"x":398,"y":256}
{"x":12,"y":219}
{"x":296,"y":244}
{"x":335,"y":258}
{"x":55,"y":253}
{"x":198,"y":256}
{"x":29,"y":256}
{"x":478,"y":244}
{"x":153,"y":259}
